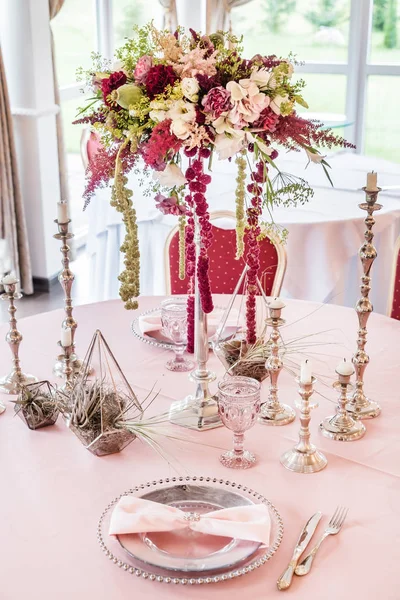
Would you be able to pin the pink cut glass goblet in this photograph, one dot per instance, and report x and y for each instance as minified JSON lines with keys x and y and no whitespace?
{"x":174,"y":322}
{"x":239,"y":405}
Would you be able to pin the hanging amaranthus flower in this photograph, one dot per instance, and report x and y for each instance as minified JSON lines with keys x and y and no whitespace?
{"x":240,"y":196}
{"x":182,"y":224}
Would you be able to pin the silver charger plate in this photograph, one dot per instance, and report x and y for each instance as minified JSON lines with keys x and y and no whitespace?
{"x":154,"y":556}
{"x":159,"y":340}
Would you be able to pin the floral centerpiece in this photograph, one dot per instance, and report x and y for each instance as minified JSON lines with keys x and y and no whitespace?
{"x":172,"y":102}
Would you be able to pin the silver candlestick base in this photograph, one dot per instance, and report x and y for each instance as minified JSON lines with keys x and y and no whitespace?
{"x":59,"y":368}
{"x":272,"y":412}
{"x":11,"y":383}
{"x":360,"y":406}
{"x":304,"y":456}
{"x":342,"y":427}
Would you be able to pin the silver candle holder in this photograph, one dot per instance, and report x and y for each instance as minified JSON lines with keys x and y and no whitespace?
{"x":198,"y":411}
{"x":69,"y":373}
{"x":342,"y":427}
{"x":304,"y":456}
{"x":66,"y":278}
{"x":272,"y":411}
{"x":360,"y":406}
{"x":11,"y":383}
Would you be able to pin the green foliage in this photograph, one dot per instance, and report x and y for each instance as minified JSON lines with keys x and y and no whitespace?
{"x":378,"y":17}
{"x":329,"y":14}
{"x":390,"y":27}
{"x":276,"y":12}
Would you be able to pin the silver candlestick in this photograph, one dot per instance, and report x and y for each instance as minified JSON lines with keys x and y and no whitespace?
{"x":66,"y":278}
{"x":304,"y":456}
{"x":272,"y":411}
{"x":11,"y":383}
{"x":360,"y":406}
{"x":200,"y":410}
{"x":342,"y":427}
{"x":66,"y":357}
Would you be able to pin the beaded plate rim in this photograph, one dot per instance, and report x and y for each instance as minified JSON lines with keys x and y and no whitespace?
{"x":252,"y":566}
{"x":152,"y":342}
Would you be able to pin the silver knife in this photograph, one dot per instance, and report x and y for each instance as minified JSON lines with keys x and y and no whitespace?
{"x":285,"y":579}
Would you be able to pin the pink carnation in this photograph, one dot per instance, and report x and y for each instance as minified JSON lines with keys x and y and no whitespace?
{"x":217,"y":101}
{"x":143,"y":66}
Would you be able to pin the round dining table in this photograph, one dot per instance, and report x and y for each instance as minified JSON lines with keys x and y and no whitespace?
{"x":53,"y":490}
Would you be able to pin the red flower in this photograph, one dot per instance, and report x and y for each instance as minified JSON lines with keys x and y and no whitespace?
{"x":112,"y":83}
{"x":158,"y":77}
{"x":217,"y":101}
{"x":161,"y":146}
{"x":268,"y":120}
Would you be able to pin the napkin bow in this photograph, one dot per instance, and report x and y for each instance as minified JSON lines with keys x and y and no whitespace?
{"x":136,"y":515}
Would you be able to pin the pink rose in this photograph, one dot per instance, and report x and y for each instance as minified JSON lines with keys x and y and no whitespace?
{"x":143,"y":66}
{"x":217,"y":101}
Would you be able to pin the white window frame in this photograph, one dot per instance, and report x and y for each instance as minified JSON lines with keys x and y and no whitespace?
{"x":357,"y":70}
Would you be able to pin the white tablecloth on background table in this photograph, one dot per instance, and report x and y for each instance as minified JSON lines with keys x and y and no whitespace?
{"x":324,"y":235}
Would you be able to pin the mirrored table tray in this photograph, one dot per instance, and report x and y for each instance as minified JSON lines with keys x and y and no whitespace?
{"x":159,"y":340}
{"x":187,"y":557}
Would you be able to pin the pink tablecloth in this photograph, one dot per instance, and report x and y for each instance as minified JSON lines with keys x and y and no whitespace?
{"x":53,"y":490}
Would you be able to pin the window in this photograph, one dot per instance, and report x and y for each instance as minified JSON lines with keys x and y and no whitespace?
{"x":351,"y":54}
{"x":80,"y":28}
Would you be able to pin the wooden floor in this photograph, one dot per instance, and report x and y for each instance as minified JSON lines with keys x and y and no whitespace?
{"x":44,"y":301}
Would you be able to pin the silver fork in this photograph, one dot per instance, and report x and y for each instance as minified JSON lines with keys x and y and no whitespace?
{"x":333,"y":528}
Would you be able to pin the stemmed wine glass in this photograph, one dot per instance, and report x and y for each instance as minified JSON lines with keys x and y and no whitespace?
{"x":174,"y":322}
{"x":239,"y":405}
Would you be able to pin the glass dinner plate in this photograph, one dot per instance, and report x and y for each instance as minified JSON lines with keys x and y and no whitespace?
{"x":158,"y":339}
{"x":186,"y":556}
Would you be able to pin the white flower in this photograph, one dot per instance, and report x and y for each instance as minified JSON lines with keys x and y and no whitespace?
{"x":228,"y":145}
{"x":237,"y":91}
{"x":182,"y":110}
{"x":263,"y":78}
{"x":181,"y":129}
{"x":251,"y":139}
{"x":276,"y":103}
{"x":314,"y":157}
{"x":158,"y":110}
{"x":190,"y":87}
{"x":223,"y":124}
{"x":172,"y":175}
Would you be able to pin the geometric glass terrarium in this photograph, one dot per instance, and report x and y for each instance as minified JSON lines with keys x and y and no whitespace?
{"x":230,"y":343}
{"x":36,"y":405}
{"x":96,"y":408}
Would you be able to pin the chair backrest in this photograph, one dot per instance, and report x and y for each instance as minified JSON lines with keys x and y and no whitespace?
{"x":90,"y":144}
{"x":394,"y":295}
{"x":225,"y":270}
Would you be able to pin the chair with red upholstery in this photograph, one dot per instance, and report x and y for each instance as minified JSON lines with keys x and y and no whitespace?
{"x":90,"y":144}
{"x":394,"y":295}
{"x":225,"y":270}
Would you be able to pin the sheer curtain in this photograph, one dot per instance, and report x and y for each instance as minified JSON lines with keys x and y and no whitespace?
{"x":54,"y":8}
{"x":218,"y":13}
{"x":170,"y":14}
{"x":12,"y":216}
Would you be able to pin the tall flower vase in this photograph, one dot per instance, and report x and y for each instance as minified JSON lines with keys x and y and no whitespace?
{"x":199,"y":410}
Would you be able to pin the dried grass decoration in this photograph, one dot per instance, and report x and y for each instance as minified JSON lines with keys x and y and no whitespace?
{"x":230,"y":344}
{"x":36,"y":405}
{"x":95,"y":410}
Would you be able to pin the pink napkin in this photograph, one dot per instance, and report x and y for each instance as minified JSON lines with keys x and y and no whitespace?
{"x":135,"y":515}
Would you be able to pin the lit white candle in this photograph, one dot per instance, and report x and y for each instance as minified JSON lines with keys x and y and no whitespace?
{"x":305,"y":372}
{"x":372,"y":182}
{"x":345,"y":368}
{"x":66,"y":337}
{"x":276,"y":303}
{"x":9,"y":279}
{"x":62,"y":212}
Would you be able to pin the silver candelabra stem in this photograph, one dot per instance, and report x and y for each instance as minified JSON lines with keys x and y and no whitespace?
{"x":69,"y":373}
{"x":199,"y":410}
{"x":11,"y":383}
{"x":304,"y":457}
{"x":360,"y":406}
{"x":272,"y":411}
{"x":66,"y":279}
